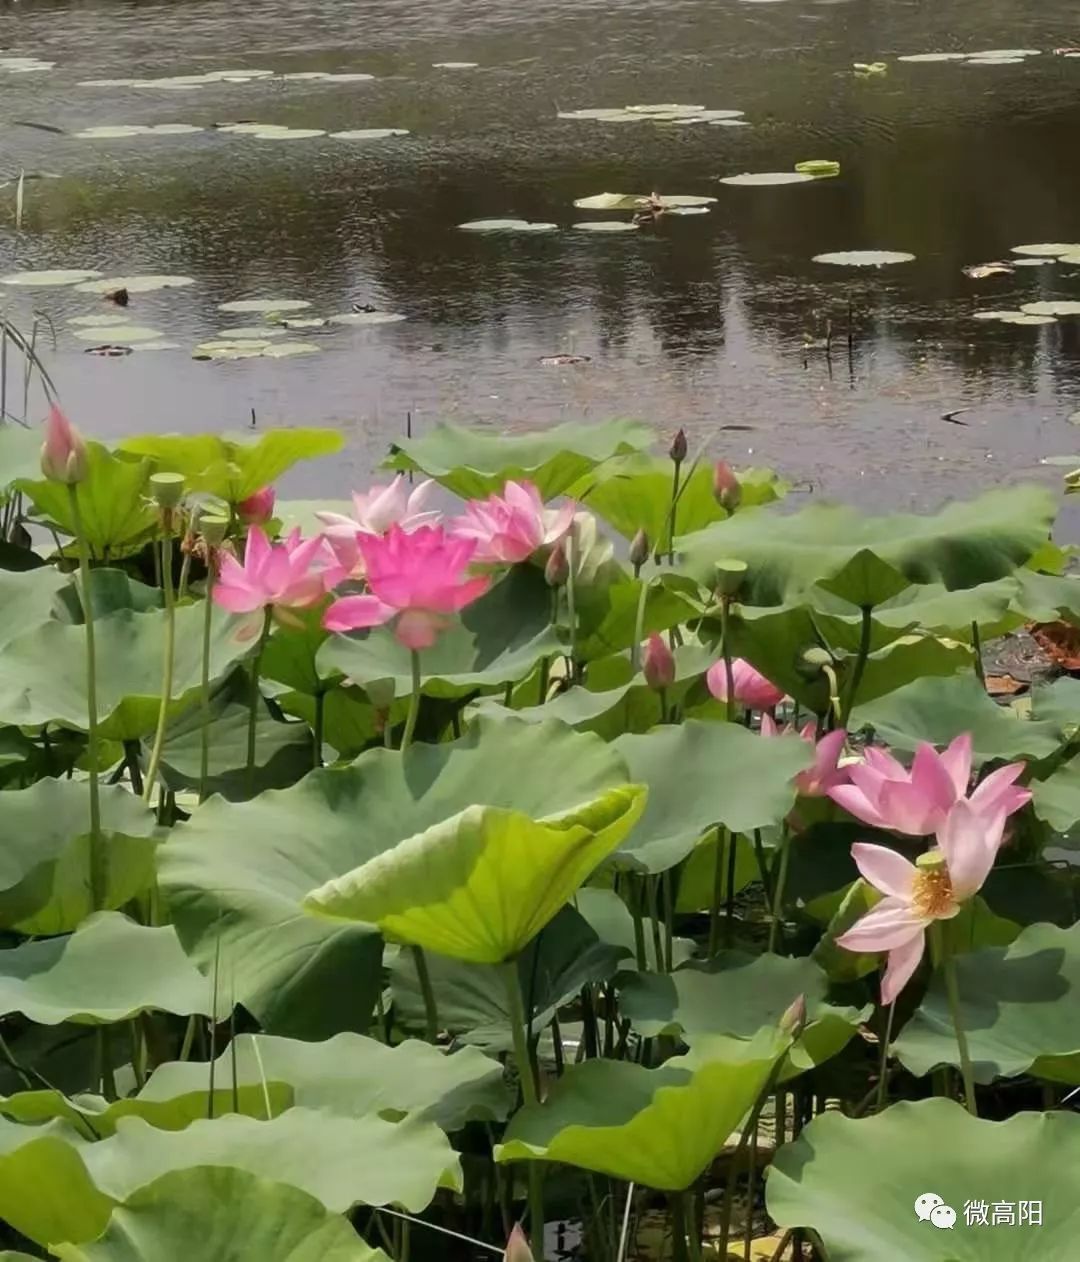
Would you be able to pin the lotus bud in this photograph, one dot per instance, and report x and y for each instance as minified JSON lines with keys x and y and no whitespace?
{"x":729,"y":577}
{"x":257,"y":509}
{"x":812,"y":661}
{"x":557,"y":569}
{"x":678,"y":447}
{"x":793,"y":1021}
{"x":63,"y":453}
{"x":726,"y":487}
{"x":639,"y":549}
{"x":517,"y":1247}
{"x":658,"y":664}
{"x":167,"y":489}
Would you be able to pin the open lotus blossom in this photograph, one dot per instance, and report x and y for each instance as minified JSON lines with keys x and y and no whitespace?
{"x":886,"y":794}
{"x":752,"y":689}
{"x":917,"y":894}
{"x":510,"y":527}
{"x":417,"y":578}
{"x":257,"y":508}
{"x":63,"y":453}
{"x":292,"y":574}
{"x":375,"y":512}
{"x":825,"y":774}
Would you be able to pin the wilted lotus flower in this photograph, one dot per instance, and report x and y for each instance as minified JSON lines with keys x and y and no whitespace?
{"x":257,"y":509}
{"x":509,"y":528}
{"x":63,"y":453}
{"x":752,"y":689}
{"x":416,"y":578}
{"x":658,"y":664}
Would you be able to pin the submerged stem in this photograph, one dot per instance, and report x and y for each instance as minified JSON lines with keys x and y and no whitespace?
{"x":99,"y":862}
{"x":166,"y":668}
{"x":414,"y":703}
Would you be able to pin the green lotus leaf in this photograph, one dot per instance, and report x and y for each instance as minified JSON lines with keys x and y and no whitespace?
{"x":495,"y":640}
{"x":117,"y":514}
{"x":612,"y":922}
{"x":290,"y":654}
{"x":341,"y":1161}
{"x":474,"y":462}
{"x":236,"y":875}
{"x":607,"y":609}
{"x":350,"y":723}
{"x":20,"y":454}
{"x":480,"y":885}
{"x":348,"y":1075}
{"x":223,"y":1215}
{"x":633,"y":493}
{"x":45,"y":860}
{"x":864,"y":580}
{"x":609,"y":712}
{"x":109,"y":969}
{"x":937,"y":710}
{"x":231,"y":465}
{"x":43,"y":671}
{"x":45,"y":1191}
{"x":935,"y":608}
{"x":1058,"y":703}
{"x":659,"y":1128}
{"x":700,"y":774}
{"x":110,"y":590}
{"x":1017,"y":1006}
{"x":1047,"y":597}
{"x":472,"y":999}
{"x":963,"y":545}
{"x":856,"y":1181}
{"x":26,"y":598}
{"x":1057,"y":798}
{"x":283,"y":751}
{"x":736,"y":994}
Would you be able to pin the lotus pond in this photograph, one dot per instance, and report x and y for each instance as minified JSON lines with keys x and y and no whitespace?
{"x":564,"y":840}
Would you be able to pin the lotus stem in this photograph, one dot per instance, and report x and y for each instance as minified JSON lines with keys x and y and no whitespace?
{"x":204,"y":683}
{"x":883,"y":1079}
{"x":431,"y":1012}
{"x":671,"y":511}
{"x":528,"y":1092}
{"x":778,"y":890}
{"x":624,"y":1234}
{"x":639,"y":627}
{"x":253,"y":702}
{"x":852,"y":692}
{"x":725,"y":649}
{"x":729,"y":910}
{"x":185,"y":571}
{"x":317,"y":731}
{"x":571,"y":601}
{"x":667,"y":885}
{"x":952,"y":990}
{"x":718,"y":892}
{"x":167,"y":665}
{"x":99,"y":861}
{"x":414,"y":703}
{"x":976,"y":645}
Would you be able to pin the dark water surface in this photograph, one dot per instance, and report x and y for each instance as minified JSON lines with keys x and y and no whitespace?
{"x":701,"y":322}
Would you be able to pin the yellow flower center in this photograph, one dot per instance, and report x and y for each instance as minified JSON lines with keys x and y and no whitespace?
{"x":932,"y":892}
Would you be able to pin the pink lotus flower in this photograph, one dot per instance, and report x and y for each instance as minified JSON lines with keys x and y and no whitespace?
{"x":825,"y":774}
{"x":509,"y":528}
{"x":658,"y":663}
{"x":885,"y":794}
{"x":517,"y":1247}
{"x":416,"y":577}
{"x":63,"y":453}
{"x":726,"y":487}
{"x":376,"y":511}
{"x":293,"y":574}
{"x":752,"y":689}
{"x":258,"y":508}
{"x":918,"y":894}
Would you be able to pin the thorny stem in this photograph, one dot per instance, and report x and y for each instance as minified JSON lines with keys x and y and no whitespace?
{"x":167,"y":666}
{"x":99,"y":862}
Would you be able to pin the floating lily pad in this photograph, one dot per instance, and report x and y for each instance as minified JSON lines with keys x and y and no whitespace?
{"x":864,"y":258}
{"x":48,"y":278}
{"x":1054,"y":248}
{"x":728,"y":122}
{"x":288,"y":133}
{"x":108,"y":83}
{"x":265,"y":304}
{"x":257,"y":332}
{"x":819,"y":168}
{"x":506,"y":225}
{"x":600,"y":115}
{"x":1051,"y":308}
{"x":98,"y":321}
{"x":163,"y":345}
{"x":122,"y":333}
{"x":323,"y":76}
{"x":664,"y":109}
{"x":995,"y":61}
{"x":1014,"y":54}
{"x":1035,"y":262}
{"x":633,"y":201}
{"x":285,"y":350}
{"x":606,"y":225}
{"x":455,"y":65}
{"x":228,"y":350}
{"x":994,"y":314}
{"x":928,"y":57}
{"x":361,"y":318}
{"x":305,"y":322}
{"x":134,"y":284}
{"x":688,"y":210}
{"x":243,"y":129}
{"x":757,"y":179}
{"x":173,"y":129}
{"x":1072,"y":257}
{"x":369,"y":133}
{"x":1025,"y":318}
{"x":109,"y":133}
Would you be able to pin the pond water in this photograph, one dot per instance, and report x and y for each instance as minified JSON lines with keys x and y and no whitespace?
{"x":702,"y":320}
